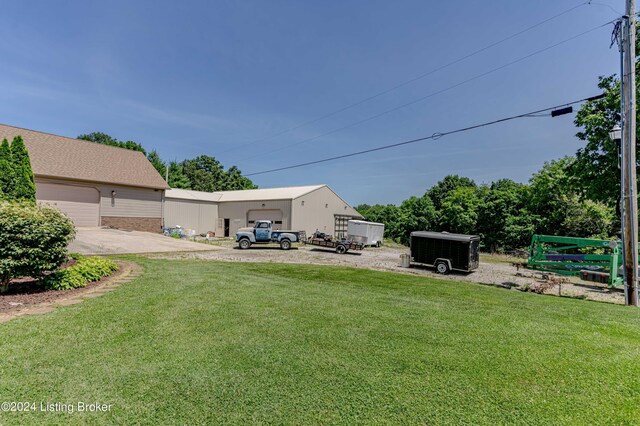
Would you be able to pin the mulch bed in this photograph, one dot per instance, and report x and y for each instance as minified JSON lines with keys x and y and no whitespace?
{"x":25,"y":292}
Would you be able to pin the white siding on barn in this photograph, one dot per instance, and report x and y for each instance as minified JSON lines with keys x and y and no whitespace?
{"x":238,"y":213}
{"x":81,"y":203}
{"x":197,"y":215}
{"x":130,"y":202}
{"x":317,"y":211}
{"x":274,"y":216}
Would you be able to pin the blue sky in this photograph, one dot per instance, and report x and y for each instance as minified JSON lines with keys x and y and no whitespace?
{"x":225,"y":78}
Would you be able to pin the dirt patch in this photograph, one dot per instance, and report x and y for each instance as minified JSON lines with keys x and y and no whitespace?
{"x":495,"y":271}
{"x":25,"y":297}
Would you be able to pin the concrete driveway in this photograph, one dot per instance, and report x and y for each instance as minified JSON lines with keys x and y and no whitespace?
{"x":116,"y":241}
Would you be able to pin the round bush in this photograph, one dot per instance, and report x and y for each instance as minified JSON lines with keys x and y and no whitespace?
{"x":33,"y":240}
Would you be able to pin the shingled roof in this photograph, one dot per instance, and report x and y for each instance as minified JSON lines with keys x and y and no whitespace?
{"x":55,"y":156}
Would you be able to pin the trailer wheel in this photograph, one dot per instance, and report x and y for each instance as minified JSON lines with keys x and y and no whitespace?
{"x":244,"y":244}
{"x":378,"y":244}
{"x":340,"y":249}
{"x":285,"y":244}
{"x":442,"y":268}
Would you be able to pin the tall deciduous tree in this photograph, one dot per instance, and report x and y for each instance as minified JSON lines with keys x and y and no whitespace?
{"x":105,"y":139}
{"x":6,"y":169}
{"x":414,"y":214}
{"x":235,"y":181}
{"x":548,"y":194}
{"x":439,"y":192}
{"x":504,"y":198}
{"x":459,"y":212}
{"x":24,"y":187}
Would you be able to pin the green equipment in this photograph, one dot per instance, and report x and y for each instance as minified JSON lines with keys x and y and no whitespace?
{"x":566,"y":255}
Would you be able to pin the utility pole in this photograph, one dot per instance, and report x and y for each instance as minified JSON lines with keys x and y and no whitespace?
{"x":630,"y":207}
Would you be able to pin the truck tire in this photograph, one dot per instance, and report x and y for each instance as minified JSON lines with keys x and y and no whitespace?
{"x":244,"y":243}
{"x":285,"y":244}
{"x":442,"y":267}
{"x":341,"y":249}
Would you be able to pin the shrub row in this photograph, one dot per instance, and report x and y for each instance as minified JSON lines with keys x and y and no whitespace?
{"x":85,"y":270}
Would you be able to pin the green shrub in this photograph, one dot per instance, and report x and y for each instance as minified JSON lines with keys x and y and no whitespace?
{"x":76,"y":256}
{"x":85,"y":270}
{"x":33,"y":240}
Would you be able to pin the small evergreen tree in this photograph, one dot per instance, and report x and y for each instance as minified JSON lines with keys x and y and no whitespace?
{"x":24,"y":187}
{"x":6,"y":169}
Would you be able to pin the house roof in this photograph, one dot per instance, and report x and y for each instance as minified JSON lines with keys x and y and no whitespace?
{"x":266,"y":194}
{"x":67,"y":158}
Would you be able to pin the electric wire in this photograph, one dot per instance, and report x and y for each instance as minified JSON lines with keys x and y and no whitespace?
{"x":407,"y":82}
{"x":432,"y":94}
{"x":434,"y":136}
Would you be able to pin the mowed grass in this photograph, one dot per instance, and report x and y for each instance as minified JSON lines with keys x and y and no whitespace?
{"x":194,"y":342}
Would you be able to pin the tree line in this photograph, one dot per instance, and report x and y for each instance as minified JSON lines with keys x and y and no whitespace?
{"x":202,"y":173}
{"x":573,"y":196}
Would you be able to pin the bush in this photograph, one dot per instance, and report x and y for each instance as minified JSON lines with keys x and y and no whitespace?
{"x":33,"y":240}
{"x":85,"y":270}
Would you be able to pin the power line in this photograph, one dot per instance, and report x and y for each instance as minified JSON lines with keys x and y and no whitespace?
{"x":407,"y":82}
{"x":434,"y":136}
{"x":415,"y":101}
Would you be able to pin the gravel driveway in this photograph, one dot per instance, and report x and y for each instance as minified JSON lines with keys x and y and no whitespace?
{"x":501,"y":273}
{"x":117,"y":241}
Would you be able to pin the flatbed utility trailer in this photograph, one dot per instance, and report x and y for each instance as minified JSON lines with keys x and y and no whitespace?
{"x":341,"y":246}
{"x":569,"y":256}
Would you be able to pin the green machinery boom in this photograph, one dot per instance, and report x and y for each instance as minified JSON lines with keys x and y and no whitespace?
{"x":565,"y":255}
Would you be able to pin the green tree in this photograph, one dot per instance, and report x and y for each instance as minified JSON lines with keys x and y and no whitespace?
{"x":519,"y":228}
{"x":105,"y":139}
{"x":6,"y":170}
{"x":235,"y":181}
{"x":503,"y":199}
{"x":24,"y":187}
{"x":596,"y":166}
{"x":588,"y":218}
{"x":414,"y":214}
{"x":205,"y":173}
{"x":459,"y":212}
{"x":548,"y":194}
{"x":177,"y":178}
{"x":439,"y":191}
{"x":157,"y":163}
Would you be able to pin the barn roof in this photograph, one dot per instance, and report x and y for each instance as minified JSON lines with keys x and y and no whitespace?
{"x":266,"y":194}
{"x":56,"y":156}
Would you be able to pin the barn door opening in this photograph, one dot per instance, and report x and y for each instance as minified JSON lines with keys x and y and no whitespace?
{"x":226,"y":227}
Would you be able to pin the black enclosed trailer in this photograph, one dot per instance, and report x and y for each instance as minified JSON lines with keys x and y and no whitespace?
{"x":447,"y":252}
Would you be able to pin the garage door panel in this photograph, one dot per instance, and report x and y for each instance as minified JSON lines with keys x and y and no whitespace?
{"x":81,"y":203}
{"x":274,"y":216}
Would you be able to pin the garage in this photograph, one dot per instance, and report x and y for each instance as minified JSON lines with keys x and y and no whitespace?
{"x":81,"y":203}
{"x":275,"y":216}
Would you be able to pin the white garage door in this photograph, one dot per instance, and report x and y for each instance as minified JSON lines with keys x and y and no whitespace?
{"x":274,"y":216}
{"x":81,"y":203}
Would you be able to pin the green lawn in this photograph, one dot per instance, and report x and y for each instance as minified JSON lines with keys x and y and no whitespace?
{"x":193,"y":342}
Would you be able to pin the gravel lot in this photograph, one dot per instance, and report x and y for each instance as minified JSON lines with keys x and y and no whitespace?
{"x":493,"y":270}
